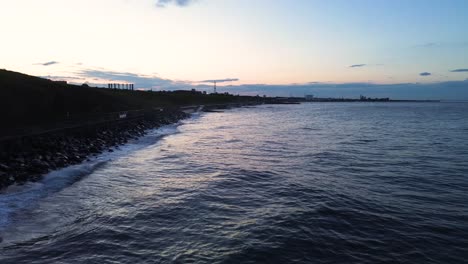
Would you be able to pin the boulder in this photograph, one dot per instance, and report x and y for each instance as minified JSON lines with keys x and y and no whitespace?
{"x":4,"y":167}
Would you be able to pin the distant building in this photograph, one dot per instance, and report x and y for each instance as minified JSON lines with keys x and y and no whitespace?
{"x":309,"y":97}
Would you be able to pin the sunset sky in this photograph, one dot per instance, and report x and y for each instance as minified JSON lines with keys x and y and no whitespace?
{"x":162,"y":44}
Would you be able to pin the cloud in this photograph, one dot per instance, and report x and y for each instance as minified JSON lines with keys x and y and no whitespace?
{"x":221,"y":80}
{"x":460,"y":70}
{"x":424,"y":74}
{"x":429,"y":45}
{"x":47,"y":63}
{"x":140,"y":81}
{"x":62,"y":78}
{"x":165,"y":3}
{"x":357,"y":65}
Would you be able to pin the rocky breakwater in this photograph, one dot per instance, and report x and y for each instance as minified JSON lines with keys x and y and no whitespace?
{"x":29,"y":158}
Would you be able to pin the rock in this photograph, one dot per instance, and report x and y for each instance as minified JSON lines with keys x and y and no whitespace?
{"x":4,"y":167}
{"x":38,"y":166}
{"x":94,"y":149}
{"x":35,"y":177}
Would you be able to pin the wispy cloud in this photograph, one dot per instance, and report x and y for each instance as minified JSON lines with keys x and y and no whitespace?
{"x":460,"y":70}
{"x":221,"y":80}
{"x":62,"y":78}
{"x":358,"y":65}
{"x":442,"y":45}
{"x":424,"y":74}
{"x":165,"y":3}
{"x":49,"y":63}
{"x":429,"y":45}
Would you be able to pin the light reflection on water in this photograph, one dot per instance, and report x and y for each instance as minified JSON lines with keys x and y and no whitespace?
{"x":354,"y":183}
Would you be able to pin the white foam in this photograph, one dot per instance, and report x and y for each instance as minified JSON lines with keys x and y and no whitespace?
{"x":21,"y":197}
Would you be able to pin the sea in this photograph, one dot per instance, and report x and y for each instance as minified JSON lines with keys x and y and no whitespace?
{"x":309,"y":183}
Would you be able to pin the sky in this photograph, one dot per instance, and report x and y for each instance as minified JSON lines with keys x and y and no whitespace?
{"x":274,"y":47}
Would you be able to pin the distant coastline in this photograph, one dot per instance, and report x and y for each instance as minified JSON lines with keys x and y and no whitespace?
{"x":362,"y":98}
{"x":298,"y":100}
{"x":370,"y":100}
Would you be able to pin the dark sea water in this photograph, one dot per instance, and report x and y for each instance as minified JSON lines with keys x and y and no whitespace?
{"x":310,"y":183}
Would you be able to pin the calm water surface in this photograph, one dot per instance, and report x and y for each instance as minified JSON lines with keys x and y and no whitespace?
{"x":310,"y":183}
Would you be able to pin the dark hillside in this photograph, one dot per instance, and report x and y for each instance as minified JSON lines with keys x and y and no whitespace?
{"x":31,"y":101}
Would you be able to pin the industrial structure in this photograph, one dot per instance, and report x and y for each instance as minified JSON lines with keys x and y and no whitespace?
{"x":121,"y":86}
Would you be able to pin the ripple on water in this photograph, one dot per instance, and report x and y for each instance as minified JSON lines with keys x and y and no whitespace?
{"x":312,"y":183}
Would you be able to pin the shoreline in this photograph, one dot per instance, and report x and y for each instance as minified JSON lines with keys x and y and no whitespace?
{"x":29,"y":158}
